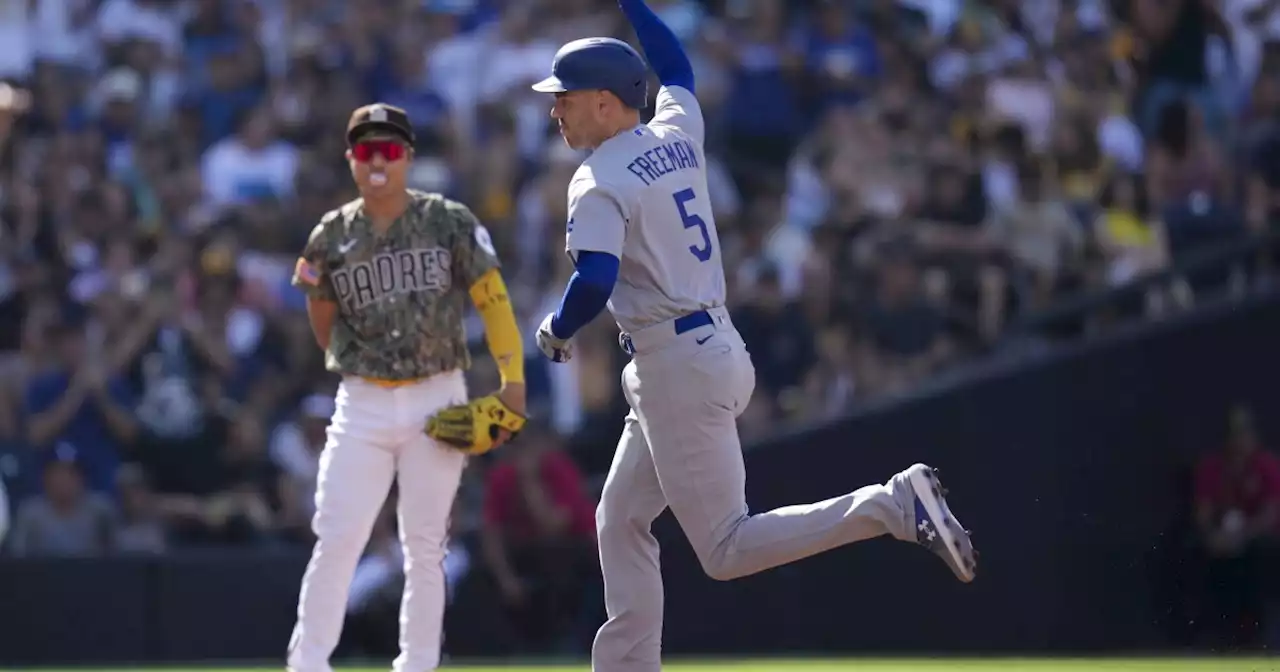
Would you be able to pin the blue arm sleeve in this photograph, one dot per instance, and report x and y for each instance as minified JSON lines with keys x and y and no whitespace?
{"x":587,"y":293}
{"x":661,"y":46}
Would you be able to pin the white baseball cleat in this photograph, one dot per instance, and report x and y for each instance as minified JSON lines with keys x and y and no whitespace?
{"x":937,"y":529}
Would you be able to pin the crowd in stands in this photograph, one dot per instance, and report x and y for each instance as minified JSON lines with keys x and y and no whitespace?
{"x":894,"y":181}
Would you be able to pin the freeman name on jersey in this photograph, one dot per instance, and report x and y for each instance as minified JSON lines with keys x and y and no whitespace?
{"x":664,"y":159}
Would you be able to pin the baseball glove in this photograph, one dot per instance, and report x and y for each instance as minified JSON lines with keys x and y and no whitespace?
{"x":474,"y":427}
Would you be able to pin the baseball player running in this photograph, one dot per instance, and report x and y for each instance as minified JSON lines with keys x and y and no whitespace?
{"x":385,"y":277}
{"x":644,"y":243}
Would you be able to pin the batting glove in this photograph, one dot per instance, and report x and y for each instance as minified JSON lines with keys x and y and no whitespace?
{"x":555,"y":348}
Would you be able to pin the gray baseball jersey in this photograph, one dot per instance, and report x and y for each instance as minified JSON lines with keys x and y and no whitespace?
{"x":642,"y":197}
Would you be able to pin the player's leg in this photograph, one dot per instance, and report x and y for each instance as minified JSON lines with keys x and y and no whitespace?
{"x":631,"y":638}
{"x":428,"y":480}
{"x":356,"y":468}
{"x":689,"y":421}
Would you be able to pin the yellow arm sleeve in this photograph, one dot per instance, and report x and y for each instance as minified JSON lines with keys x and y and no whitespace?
{"x":501,"y":332}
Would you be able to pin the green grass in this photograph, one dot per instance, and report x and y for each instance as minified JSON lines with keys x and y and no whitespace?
{"x":852,"y":665}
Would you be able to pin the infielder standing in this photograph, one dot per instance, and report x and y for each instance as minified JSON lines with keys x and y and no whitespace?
{"x":386,"y":276}
{"x":644,"y":243}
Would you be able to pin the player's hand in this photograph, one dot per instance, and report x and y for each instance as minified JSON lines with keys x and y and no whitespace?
{"x":556,"y":349}
{"x":476,"y":427}
{"x":513,"y":395}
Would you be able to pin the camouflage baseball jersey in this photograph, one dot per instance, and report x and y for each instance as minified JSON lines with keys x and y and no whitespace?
{"x":401,"y":294}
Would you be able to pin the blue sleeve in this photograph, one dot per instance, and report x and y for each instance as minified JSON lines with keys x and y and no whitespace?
{"x":587,"y":293}
{"x":661,"y":46}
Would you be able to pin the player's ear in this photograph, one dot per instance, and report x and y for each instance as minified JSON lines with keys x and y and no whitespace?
{"x":347,"y":154}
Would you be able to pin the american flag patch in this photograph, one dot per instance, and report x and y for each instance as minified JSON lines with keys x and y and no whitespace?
{"x":306,"y":273}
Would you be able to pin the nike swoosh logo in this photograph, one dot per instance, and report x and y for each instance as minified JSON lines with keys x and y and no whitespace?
{"x":346,"y":247}
{"x":704,"y":340}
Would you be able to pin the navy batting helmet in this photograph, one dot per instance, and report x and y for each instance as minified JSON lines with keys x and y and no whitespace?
{"x":599,"y":63}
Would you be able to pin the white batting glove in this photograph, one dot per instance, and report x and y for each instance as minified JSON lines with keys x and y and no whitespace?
{"x":556,"y":349}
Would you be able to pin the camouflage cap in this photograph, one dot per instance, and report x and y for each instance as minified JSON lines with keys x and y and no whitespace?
{"x":379,"y":117}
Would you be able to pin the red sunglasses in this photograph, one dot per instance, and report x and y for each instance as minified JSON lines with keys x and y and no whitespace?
{"x":390,"y":150}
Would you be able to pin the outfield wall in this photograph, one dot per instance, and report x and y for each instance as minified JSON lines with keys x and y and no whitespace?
{"x":1067,"y":469}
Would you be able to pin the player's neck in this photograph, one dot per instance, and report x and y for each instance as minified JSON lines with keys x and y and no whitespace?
{"x":619,"y":127}
{"x":384,"y":210}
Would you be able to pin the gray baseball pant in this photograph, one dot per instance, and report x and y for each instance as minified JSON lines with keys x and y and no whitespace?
{"x":680,"y":448}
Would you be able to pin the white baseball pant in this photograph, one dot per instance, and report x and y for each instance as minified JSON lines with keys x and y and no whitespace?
{"x":376,"y":434}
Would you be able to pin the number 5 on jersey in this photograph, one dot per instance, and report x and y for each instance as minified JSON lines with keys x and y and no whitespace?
{"x":690,"y":220}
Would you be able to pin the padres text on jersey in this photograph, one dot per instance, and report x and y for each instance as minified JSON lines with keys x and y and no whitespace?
{"x":401,"y":294}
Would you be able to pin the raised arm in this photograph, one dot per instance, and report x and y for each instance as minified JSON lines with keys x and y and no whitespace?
{"x":661,"y":46}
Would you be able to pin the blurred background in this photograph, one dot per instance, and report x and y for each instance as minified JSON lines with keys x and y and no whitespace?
{"x":1032,"y":242}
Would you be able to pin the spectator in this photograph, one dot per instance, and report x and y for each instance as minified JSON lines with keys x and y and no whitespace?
{"x":1078,"y":166}
{"x":904,"y":332}
{"x":1004,"y":160}
{"x":515,"y":57}
{"x":538,"y":540}
{"x":1189,"y":182}
{"x":220,"y":104}
{"x":120,"y":21}
{"x":842,"y":59}
{"x":1259,"y":117}
{"x":763,"y":112}
{"x":952,"y":238}
{"x":1129,"y":236}
{"x":1042,"y":238}
{"x":250,"y":166}
{"x":181,"y":422}
{"x":295,"y":450}
{"x":832,"y":383}
{"x":781,"y":341}
{"x":82,"y":404}
{"x":66,"y":519}
{"x":142,"y":529}
{"x":240,"y":510}
{"x":1259,"y":149}
{"x":1237,"y":514}
{"x":1186,"y":169}
{"x":402,"y":81}
{"x":1173,"y":47}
